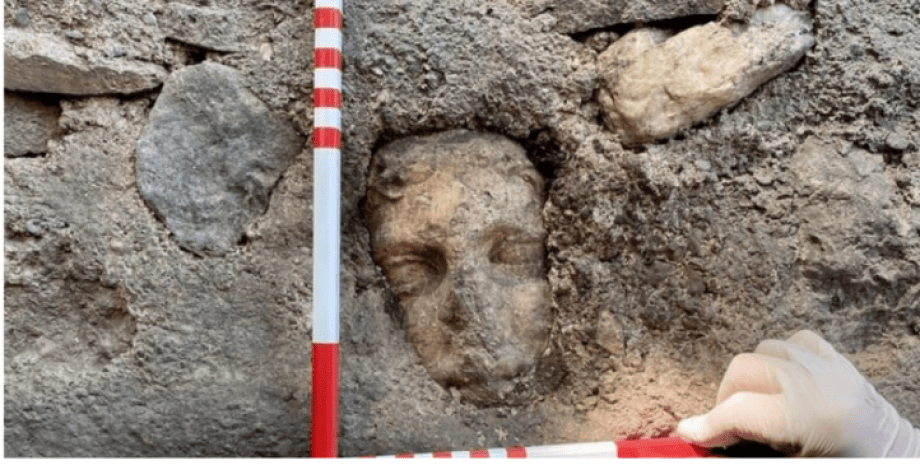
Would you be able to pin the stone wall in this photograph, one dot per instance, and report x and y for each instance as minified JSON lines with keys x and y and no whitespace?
{"x":158,"y":187}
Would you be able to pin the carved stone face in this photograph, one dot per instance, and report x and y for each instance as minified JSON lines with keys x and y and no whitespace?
{"x":462,"y":247}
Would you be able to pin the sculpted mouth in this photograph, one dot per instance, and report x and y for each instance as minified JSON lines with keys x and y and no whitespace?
{"x":479,"y":377}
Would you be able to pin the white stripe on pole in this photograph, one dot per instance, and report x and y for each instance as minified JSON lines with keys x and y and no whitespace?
{"x":327,"y":118}
{"x":329,"y":4}
{"x":327,"y":152}
{"x":326,"y":256}
{"x":460,"y":454}
{"x":327,"y":78}
{"x":498,"y":453}
{"x":588,"y":449}
{"x":329,"y":37}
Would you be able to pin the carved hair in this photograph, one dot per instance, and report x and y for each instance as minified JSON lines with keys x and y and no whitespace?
{"x":389,"y":171}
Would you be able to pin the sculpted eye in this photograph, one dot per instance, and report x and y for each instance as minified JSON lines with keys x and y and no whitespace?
{"x":412,"y":269}
{"x":510,"y":252}
{"x":410,"y":277}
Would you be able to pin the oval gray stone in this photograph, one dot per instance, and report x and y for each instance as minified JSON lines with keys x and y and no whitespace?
{"x":210,"y":156}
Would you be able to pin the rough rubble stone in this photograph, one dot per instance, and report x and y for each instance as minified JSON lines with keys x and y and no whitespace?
{"x":848,"y":204}
{"x":571,"y":16}
{"x":21,"y":17}
{"x":460,"y":64}
{"x":610,"y":334}
{"x":654,"y":84}
{"x":210,"y":156}
{"x":38,"y":62}
{"x":28,"y":124}
{"x":220,"y":29}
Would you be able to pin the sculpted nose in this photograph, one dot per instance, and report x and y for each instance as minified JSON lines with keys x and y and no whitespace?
{"x":468,"y":297}
{"x":477,"y":306}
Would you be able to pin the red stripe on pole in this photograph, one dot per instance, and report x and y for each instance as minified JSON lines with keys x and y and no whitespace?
{"x":441,"y":455}
{"x":660,"y":447}
{"x":327,"y":58}
{"x":479,"y":454}
{"x":327,"y":98}
{"x":327,"y":138}
{"x":405,"y":456}
{"x":327,"y":17}
{"x":325,"y":402}
{"x":517,"y":452}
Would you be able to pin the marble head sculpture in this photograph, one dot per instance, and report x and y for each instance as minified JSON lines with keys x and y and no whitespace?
{"x":456,"y":225}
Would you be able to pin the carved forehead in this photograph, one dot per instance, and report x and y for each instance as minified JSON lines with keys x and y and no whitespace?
{"x":459,"y":209}
{"x":450,"y":184}
{"x":403,"y":162}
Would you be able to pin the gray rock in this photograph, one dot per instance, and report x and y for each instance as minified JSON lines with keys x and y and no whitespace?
{"x":73,"y":35}
{"x":210,"y":156}
{"x":825,"y":175}
{"x":28,"y":124}
{"x":38,"y":62}
{"x":21,"y":18}
{"x":219,"y":29}
{"x":848,"y":205}
{"x":461,"y":64}
{"x":654,"y":84}
{"x":898,"y":142}
{"x":581,"y":15}
{"x":610,"y":334}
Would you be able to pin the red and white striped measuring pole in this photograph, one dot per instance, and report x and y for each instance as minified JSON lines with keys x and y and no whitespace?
{"x":327,"y":155}
{"x":672,"y":447}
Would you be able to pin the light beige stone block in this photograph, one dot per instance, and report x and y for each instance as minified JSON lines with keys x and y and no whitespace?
{"x":654,"y":84}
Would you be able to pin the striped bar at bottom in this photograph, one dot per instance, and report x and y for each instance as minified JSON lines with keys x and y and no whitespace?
{"x":671,"y":447}
{"x":660,"y":448}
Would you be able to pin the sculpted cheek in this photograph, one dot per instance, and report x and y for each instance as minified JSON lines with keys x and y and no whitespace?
{"x":421,"y":316}
{"x":528,"y":313}
{"x":426,"y":331}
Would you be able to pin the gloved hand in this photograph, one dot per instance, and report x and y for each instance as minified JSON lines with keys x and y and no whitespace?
{"x":800,"y":395}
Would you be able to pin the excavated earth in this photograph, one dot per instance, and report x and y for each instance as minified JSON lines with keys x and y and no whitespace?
{"x":158,"y":219}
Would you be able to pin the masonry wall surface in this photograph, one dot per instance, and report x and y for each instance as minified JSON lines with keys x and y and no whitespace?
{"x":799,"y":207}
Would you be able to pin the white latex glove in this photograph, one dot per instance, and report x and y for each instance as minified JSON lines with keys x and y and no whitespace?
{"x":800,"y":395}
